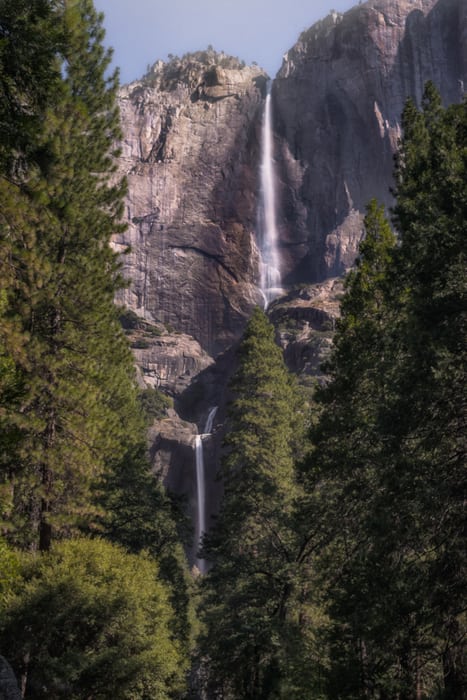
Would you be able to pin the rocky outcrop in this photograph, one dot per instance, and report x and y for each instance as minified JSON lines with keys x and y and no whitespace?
{"x":190,"y":153}
{"x":172,"y":452}
{"x":305,"y":321}
{"x":169,"y":362}
{"x":338,"y":99}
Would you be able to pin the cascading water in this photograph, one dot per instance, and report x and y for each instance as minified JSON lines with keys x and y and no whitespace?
{"x":270,"y":267}
{"x":201,"y":483}
{"x":200,"y":494}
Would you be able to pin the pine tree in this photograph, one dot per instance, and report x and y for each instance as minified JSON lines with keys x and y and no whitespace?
{"x":29,"y":73}
{"x":430,"y":214}
{"x":389,"y":453}
{"x":136,"y":512}
{"x":249,"y":593}
{"x":343,"y":470}
{"x":61,"y":329}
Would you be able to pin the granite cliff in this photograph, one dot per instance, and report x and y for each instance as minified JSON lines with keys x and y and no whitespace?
{"x":191,"y":153}
{"x":338,"y":99}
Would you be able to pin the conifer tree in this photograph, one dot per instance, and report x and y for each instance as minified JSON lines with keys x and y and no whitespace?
{"x":61,"y":330}
{"x":389,"y":453}
{"x":29,"y":73}
{"x":136,"y":512}
{"x":348,"y":451}
{"x":72,"y":442}
{"x":430,"y":213}
{"x":249,"y":591}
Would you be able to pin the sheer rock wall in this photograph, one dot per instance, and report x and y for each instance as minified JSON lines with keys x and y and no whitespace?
{"x":190,"y":153}
{"x":338,"y":99}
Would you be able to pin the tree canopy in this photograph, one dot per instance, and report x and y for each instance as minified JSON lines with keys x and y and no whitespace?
{"x":389,"y":451}
{"x":110,"y":635}
{"x":250,"y":590}
{"x":73,"y":455}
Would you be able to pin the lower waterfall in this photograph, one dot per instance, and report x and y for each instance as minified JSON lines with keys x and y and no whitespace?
{"x":201,"y":484}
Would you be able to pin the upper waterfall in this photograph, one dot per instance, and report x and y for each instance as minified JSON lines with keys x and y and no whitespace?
{"x":267,"y":224}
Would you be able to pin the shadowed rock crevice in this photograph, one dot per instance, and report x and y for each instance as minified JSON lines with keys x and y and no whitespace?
{"x":210,"y":256}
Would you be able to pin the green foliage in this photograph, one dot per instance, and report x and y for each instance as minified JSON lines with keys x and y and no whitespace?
{"x":136,"y":513}
{"x":140,"y":344}
{"x":129,"y":319}
{"x":9,"y":573}
{"x":154,"y":403}
{"x":388,"y":460}
{"x":72,"y":429}
{"x":251,"y":595}
{"x":60,"y":327}
{"x":29,"y":72}
{"x":89,"y":620}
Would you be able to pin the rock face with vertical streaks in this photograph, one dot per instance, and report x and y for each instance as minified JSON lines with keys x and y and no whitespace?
{"x":190,"y":153}
{"x":338,"y":99}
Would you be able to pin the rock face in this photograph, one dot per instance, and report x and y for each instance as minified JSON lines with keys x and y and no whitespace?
{"x":305,"y":321}
{"x":170,"y":362}
{"x":338,"y":99}
{"x":190,"y":153}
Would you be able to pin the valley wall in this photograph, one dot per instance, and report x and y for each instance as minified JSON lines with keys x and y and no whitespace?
{"x":191,"y":153}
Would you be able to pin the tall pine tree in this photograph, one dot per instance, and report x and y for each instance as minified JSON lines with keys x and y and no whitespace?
{"x":390,"y":452}
{"x":249,"y":594}
{"x":430,"y":410}
{"x":59,"y":325}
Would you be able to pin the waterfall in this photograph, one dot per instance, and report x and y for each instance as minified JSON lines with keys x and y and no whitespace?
{"x":200,"y":493}
{"x":270,"y":266}
{"x":201,"y":484}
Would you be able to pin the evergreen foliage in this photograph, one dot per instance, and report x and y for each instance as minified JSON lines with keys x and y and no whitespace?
{"x":250,"y":594}
{"x":137,"y":513}
{"x":342,"y":575}
{"x":389,"y":453}
{"x":90,"y":619}
{"x":60,"y":328}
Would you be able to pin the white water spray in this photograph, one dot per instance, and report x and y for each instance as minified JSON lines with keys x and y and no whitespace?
{"x":201,"y":484}
{"x":270,"y":267}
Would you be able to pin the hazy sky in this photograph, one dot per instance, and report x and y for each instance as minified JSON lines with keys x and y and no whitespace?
{"x":142,"y":31}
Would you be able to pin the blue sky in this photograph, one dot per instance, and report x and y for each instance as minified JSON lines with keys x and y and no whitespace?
{"x":142,"y":31}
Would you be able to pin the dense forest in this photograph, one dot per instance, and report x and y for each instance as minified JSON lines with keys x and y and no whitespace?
{"x":338,"y":559}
